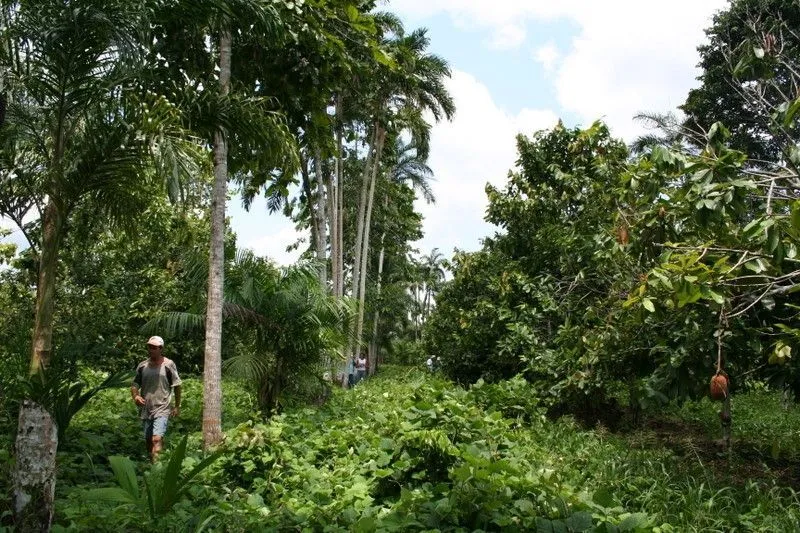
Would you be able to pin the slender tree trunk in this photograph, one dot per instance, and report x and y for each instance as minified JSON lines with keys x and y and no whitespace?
{"x":360,"y":225}
{"x":333,"y":224}
{"x":212,"y":366}
{"x":319,"y":217}
{"x":37,"y":435}
{"x":337,"y":225}
{"x":362,"y":214}
{"x":417,"y":312}
{"x":362,"y":294}
{"x":376,"y":316}
{"x":339,"y":199}
{"x":306,"y":185}
{"x":46,"y":289}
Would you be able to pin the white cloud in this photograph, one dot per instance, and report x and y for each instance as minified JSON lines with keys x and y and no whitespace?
{"x":501,"y":17}
{"x":273,"y":245}
{"x":508,"y":37}
{"x":628,"y":56}
{"x":267,"y":235}
{"x":621,"y":64}
{"x":548,"y":55}
{"x":476,"y":148}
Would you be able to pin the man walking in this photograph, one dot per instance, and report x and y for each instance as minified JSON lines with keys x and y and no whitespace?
{"x":151,"y":390}
{"x":361,"y":368}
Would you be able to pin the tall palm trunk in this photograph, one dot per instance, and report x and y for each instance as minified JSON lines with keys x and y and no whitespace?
{"x":212,"y":365}
{"x":339,"y":200}
{"x":336,"y":215}
{"x":376,"y":316}
{"x":46,"y":288}
{"x":333,"y":225}
{"x":360,"y":224}
{"x":340,"y":208}
{"x":362,"y":293}
{"x":362,"y":213}
{"x":319,"y":218}
{"x":37,"y":434}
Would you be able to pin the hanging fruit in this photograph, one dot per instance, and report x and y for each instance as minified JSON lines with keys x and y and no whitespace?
{"x":719,"y":387}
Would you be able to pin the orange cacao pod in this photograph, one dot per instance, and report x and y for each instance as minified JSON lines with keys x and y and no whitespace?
{"x":719,"y":387}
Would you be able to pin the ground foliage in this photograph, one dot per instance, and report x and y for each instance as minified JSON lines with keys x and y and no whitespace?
{"x":407,"y":451}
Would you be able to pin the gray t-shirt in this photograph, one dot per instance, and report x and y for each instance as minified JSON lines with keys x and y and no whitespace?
{"x":155,"y":386}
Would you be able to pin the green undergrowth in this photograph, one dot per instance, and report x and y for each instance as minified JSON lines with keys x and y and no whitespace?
{"x":763,"y":426}
{"x":406,"y":451}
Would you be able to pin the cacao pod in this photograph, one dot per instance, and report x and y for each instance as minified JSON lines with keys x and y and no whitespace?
{"x":719,"y":387}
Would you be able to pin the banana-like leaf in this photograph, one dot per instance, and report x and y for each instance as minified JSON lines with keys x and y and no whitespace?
{"x":111,"y":494}
{"x":172,"y":474}
{"x":199,"y":467}
{"x":125,"y":473}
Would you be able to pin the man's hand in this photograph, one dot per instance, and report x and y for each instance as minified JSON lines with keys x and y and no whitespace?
{"x":176,"y":411}
{"x":139,"y":400}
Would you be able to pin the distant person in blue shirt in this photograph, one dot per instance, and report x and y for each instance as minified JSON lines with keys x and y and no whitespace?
{"x":351,"y":371}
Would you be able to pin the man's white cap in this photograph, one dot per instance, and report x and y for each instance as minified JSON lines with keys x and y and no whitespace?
{"x":155,"y":340}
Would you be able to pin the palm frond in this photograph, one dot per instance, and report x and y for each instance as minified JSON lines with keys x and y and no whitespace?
{"x":174,"y":323}
{"x":252,"y":367}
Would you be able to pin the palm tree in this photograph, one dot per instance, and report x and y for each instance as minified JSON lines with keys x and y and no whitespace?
{"x":410,"y":169}
{"x":296,"y":325}
{"x":433,"y":275}
{"x":292,"y":321}
{"x":212,"y":363}
{"x":248,"y":139}
{"x":414,"y":84}
{"x":83,"y":130}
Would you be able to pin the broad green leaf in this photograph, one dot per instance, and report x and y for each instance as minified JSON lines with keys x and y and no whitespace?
{"x":796,"y":214}
{"x":773,"y":238}
{"x":255,"y":500}
{"x":544,"y":525}
{"x":199,"y":467}
{"x":751,"y":227}
{"x":717,"y":297}
{"x":125,"y":474}
{"x":648,"y":304}
{"x":791,"y":112}
{"x":172,"y":474}
{"x":112,"y":495}
{"x":634,"y":522}
{"x":603,"y":497}
{"x":794,"y":154}
{"x":581,"y":521}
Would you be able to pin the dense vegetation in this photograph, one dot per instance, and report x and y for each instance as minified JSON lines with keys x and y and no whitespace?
{"x":430,"y":455}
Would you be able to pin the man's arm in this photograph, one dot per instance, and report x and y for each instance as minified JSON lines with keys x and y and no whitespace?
{"x":138,"y":400}
{"x":177,"y":409}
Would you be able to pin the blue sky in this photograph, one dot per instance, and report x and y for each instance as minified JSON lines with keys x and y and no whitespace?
{"x":519,"y":66}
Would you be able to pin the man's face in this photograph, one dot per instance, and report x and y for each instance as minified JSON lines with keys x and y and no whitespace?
{"x":154,"y":351}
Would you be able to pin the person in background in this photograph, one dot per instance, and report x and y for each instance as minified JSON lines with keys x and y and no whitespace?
{"x":361,"y":368}
{"x":151,"y":391}
{"x":351,"y":371}
{"x":429,"y":364}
